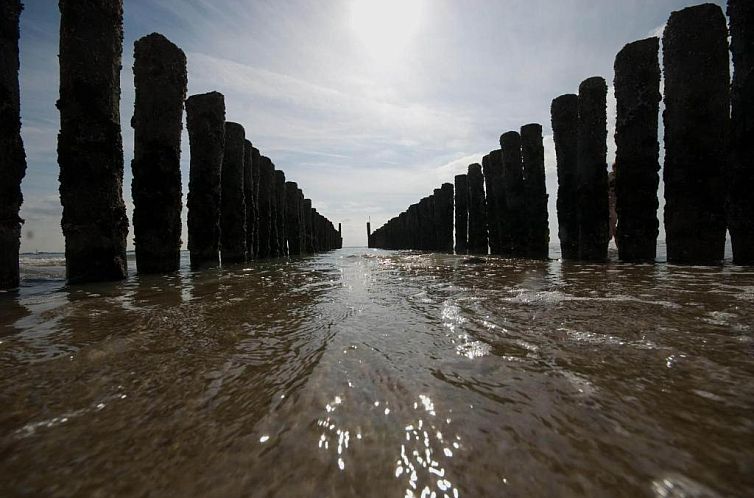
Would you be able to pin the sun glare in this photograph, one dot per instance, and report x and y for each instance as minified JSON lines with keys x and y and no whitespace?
{"x":385,"y":27}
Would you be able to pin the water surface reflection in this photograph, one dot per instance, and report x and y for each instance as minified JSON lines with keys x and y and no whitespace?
{"x":377,"y":373}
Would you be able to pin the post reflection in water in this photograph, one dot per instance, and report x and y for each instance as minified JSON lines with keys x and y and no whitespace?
{"x":375,"y":373}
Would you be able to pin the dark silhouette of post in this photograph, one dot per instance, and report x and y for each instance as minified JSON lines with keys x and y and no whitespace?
{"x":462,"y":213}
{"x":90,"y":146}
{"x":741,"y":169}
{"x":280,"y":212}
{"x":515,"y":196}
{"x":413,"y":227}
{"x":565,"y":113}
{"x":302,"y":230}
{"x":160,"y":80}
{"x":249,"y":198}
{"x":477,"y":212}
{"x":340,"y":236}
{"x":437,"y":219}
{"x":535,"y":190}
{"x":308,"y":229}
{"x":233,"y":206}
{"x":292,"y":219}
{"x":591,"y":173}
{"x":493,"y":181}
{"x":205,"y":121}
{"x":445,"y":208}
{"x":637,"y":92}
{"x":369,"y":235}
{"x":275,"y":249}
{"x":256,"y":172}
{"x":12,"y":156}
{"x":695,"y":57}
{"x":267,"y":235}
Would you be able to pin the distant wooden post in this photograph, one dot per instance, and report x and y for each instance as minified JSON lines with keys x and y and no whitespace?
{"x":637,"y":92}
{"x":267,"y":241}
{"x":565,"y":113}
{"x":445,"y":206}
{"x":697,"y":105}
{"x":205,"y":118}
{"x":256,"y":173}
{"x":292,"y":219}
{"x":462,"y":213}
{"x":591,"y":173}
{"x":249,"y":198}
{"x":308,"y":234}
{"x":233,"y":206}
{"x":515,"y":196}
{"x":477,"y":211}
{"x":535,"y":190}
{"x":280,"y":212}
{"x":12,"y":156}
{"x":90,"y":147}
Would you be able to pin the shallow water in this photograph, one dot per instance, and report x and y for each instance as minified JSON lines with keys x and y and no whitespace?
{"x":374,"y":373}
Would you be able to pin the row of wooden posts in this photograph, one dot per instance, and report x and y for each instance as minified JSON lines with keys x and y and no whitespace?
{"x":708,"y":165}
{"x":239,"y":206}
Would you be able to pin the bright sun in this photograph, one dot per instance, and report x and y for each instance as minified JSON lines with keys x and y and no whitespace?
{"x":386,"y":26}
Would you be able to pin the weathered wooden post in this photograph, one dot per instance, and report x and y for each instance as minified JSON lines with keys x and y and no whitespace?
{"x":637,"y":92}
{"x":280,"y":212}
{"x":256,"y":173}
{"x":249,"y":198}
{"x":437,"y":219}
{"x":308,"y":234}
{"x":317,"y":227}
{"x":233,"y":206}
{"x":445,"y":236}
{"x":515,"y":196}
{"x":535,"y":190}
{"x":302,"y":231}
{"x":267,"y":243}
{"x":340,"y":237}
{"x":697,"y":78}
{"x":492,"y":171}
{"x":426,"y":224}
{"x":369,"y":235}
{"x":205,"y":121}
{"x":591,"y":173}
{"x":12,"y":156}
{"x":564,"y":112}
{"x":160,"y":81}
{"x":477,"y":212}
{"x":273,"y":207}
{"x":413,"y":226}
{"x":741,"y":170}
{"x":462,"y":213}
{"x":292,"y":219}
{"x":90,"y":146}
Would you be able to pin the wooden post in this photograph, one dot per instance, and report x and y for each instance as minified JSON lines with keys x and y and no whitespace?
{"x":697,"y":105}
{"x":741,"y":170}
{"x":90,"y":147}
{"x":205,"y":121}
{"x":591,"y":173}
{"x":12,"y":156}
{"x":233,"y":206}
{"x":535,"y":190}
{"x":565,"y":114}
{"x":637,"y":92}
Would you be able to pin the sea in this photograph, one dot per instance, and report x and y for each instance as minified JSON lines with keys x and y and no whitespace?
{"x":372,"y":373}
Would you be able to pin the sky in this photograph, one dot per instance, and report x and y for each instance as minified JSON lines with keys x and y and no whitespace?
{"x":368,"y":105}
